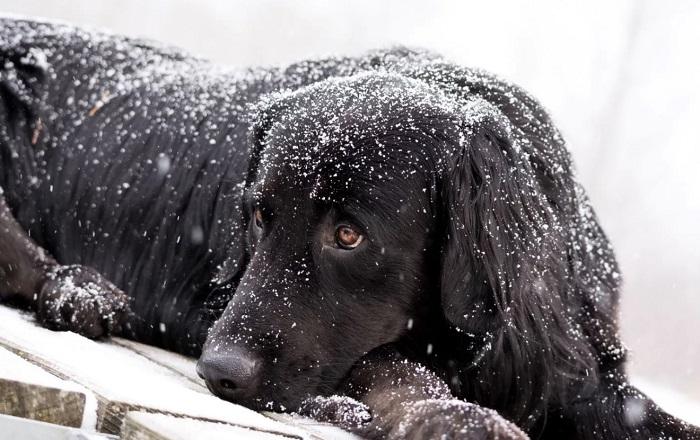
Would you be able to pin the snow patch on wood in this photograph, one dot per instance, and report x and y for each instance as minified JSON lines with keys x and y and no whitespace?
{"x":126,"y":376}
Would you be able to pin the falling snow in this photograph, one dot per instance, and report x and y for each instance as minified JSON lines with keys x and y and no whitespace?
{"x":166,"y":138}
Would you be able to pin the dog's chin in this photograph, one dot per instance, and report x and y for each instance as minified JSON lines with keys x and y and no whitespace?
{"x":284,"y":398}
{"x":276,"y":403}
{"x":279,"y":391}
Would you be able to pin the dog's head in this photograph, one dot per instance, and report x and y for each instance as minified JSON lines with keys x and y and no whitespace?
{"x":376,"y":207}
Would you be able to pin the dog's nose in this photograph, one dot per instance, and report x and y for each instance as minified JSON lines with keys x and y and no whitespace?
{"x":232,"y":374}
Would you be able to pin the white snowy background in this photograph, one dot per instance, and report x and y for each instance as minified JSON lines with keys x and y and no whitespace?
{"x":621,"y":79}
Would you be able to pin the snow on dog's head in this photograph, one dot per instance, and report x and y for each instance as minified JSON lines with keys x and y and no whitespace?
{"x":340,"y":216}
{"x":392,"y":207}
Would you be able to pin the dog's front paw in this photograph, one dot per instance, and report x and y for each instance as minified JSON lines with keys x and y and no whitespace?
{"x":452,"y":419}
{"x":343,"y":411}
{"x":79,"y":299}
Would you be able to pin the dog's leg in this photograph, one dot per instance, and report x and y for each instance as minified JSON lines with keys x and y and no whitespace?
{"x":23,"y":264}
{"x":390,"y":397}
{"x":74,"y":298}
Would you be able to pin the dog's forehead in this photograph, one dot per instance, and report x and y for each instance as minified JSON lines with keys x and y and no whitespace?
{"x":330,"y":168}
{"x":348,"y":133}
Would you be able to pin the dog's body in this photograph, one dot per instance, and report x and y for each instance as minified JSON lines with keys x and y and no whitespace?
{"x":476,"y":253}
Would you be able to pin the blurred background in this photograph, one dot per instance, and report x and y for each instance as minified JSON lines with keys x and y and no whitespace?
{"x":621,"y":80}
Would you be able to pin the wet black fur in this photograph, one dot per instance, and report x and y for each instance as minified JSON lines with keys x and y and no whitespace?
{"x":508,"y":275}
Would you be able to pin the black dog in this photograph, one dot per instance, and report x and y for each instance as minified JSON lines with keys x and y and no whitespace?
{"x":391,"y":227}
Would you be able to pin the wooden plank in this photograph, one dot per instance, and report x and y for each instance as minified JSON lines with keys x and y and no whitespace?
{"x":149,"y":426}
{"x":177,"y":363}
{"x":25,"y":429}
{"x":305,"y":427}
{"x":123,"y":380}
{"x":28,"y":391}
{"x":316,"y":429}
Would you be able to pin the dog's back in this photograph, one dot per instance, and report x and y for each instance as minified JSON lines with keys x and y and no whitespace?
{"x":114,"y":154}
{"x":124,"y":155}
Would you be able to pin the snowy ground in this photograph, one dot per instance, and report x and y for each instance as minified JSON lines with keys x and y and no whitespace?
{"x":120,"y":376}
{"x":619,"y":77}
{"x":147,"y":378}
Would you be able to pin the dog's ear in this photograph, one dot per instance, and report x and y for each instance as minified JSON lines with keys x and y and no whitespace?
{"x":23,"y":92}
{"x":505,"y":269}
{"x":261,"y":118}
{"x":501,"y":231}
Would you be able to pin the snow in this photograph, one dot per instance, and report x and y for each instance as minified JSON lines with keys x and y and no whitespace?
{"x":147,"y":377}
{"x":121,"y":375}
{"x":26,"y":429}
{"x":126,"y":371}
{"x":74,"y":287}
{"x":164,"y":167}
{"x":182,"y":365}
{"x":345,"y":410}
{"x":18,"y":369}
{"x":180,"y":428}
{"x":316,"y":428}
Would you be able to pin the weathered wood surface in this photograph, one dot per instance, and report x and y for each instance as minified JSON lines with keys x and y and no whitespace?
{"x":29,"y":392}
{"x":186,"y":367}
{"x":121,"y":379}
{"x":126,"y":376}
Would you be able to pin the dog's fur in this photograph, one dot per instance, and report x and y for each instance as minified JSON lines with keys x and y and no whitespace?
{"x":482,"y":259}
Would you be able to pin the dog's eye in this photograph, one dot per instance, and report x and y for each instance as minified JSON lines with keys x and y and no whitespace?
{"x":258,"y":218}
{"x":348,"y":237}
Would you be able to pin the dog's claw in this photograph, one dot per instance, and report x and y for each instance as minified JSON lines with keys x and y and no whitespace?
{"x":79,"y":299}
{"x":338,"y":410}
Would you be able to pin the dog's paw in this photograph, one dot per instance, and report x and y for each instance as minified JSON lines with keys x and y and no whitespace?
{"x":343,"y":411}
{"x":453,"y":419}
{"x":79,"y":299}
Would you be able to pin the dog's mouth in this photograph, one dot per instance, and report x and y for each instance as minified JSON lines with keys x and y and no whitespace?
{"x":246,"y":382}
{"x":275,"y":397}
{"x":274,"y":402}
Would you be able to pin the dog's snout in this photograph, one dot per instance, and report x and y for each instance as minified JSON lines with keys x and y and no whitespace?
{"x":232,"y":374}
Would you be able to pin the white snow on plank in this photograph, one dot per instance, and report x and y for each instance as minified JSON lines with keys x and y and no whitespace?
{"x":149,"y":426}
{"x":186,"y":367}
{"x":182,"y":365}
{"x":122,"y":379}
{"x":317,"y":429}
{"x":13,"y":367}
{"x":29,"y":391}
{"x":25,"y":429}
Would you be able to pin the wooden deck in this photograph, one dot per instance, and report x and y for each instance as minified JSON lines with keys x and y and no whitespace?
{"x":55,"y":385}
